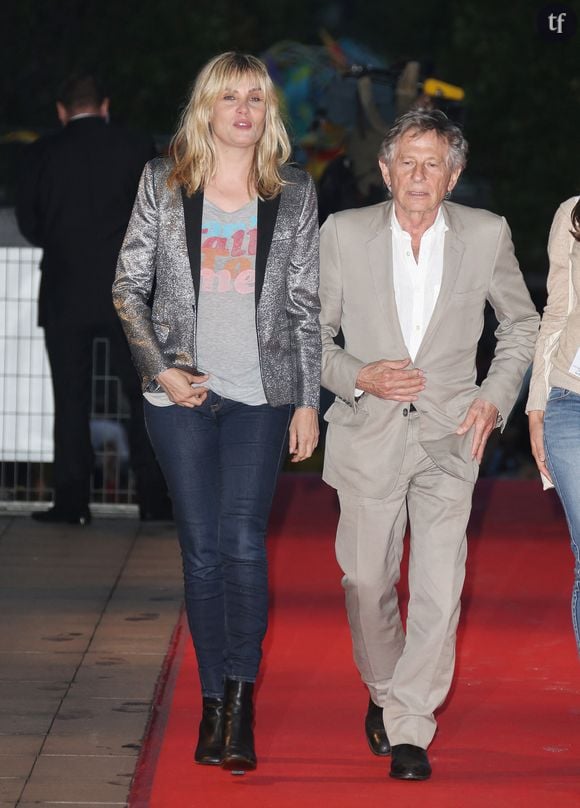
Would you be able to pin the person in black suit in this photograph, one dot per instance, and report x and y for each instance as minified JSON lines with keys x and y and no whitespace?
{"x":74,"y":200}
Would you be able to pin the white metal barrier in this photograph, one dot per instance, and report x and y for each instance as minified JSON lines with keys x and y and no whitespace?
{"x":26,"y":402}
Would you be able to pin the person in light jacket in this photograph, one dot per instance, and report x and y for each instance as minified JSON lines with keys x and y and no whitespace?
{"x":553,"y":405}
{"x":407,"y":281}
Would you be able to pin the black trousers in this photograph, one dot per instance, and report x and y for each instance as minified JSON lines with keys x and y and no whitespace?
{"x":70,"y":352}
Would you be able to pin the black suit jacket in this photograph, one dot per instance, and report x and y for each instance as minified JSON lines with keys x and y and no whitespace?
{"x":74,"y":200}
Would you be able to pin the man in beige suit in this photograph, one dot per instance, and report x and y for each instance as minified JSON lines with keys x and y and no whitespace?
{"x":407,"y":282}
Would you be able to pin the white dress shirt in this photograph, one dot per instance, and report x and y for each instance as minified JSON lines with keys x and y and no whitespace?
{"x":417,"y":283}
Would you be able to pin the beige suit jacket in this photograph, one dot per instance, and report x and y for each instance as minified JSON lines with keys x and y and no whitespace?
{"x":366,"y":439}
{"x":559,"y":338}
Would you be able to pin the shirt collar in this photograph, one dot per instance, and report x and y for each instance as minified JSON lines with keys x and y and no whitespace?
{"x":437,"y":228}
{"x":84,"y":115}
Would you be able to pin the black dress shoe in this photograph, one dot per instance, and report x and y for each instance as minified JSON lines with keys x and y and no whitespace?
{"x":239,"y":753}
{"x":409,"y":762}
{"x":58,"y":515}
{"x":375,"y":731}
{"x":210,"y":744}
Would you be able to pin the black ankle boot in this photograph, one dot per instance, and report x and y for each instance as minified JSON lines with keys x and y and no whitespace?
{"x":210,"y":745}
{"x":239,"y":753}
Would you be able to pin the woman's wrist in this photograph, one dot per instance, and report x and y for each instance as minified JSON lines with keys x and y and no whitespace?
{"x":536,"y":415}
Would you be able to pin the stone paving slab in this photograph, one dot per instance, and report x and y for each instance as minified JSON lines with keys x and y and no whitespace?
{"x":29,"y":691}
{"x":24,"y":709}
{"x":98,"y":727}
{"x":46,"y":630}
{"x":26,"y":723}
{"x":67,"y":803}
{"x":10,"y":789}
{"x":37,"y":666}
{"x":80,"y":778}
{"x":15,"y":765}
{"x":21,"y":744}
{"x":114,"y":637}
{"x":87,"y":617}
{"x":122,"y":676}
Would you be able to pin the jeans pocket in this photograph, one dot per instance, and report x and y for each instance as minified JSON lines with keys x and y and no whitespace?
{"x":558,"y":393}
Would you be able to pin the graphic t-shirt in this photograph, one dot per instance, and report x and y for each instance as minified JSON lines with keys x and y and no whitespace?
{"x":227,"y":342}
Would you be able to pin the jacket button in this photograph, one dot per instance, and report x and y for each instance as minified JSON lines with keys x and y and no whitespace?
{"x":405,"y":412}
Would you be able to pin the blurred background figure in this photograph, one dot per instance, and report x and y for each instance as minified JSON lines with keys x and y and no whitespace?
{"x":554,"y":402}
{"x":74,"y":200}
{"x":342,"y":97}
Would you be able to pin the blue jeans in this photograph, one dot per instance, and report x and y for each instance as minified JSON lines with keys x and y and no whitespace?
{"x":221,"y":462}
{"x":562,"y":443}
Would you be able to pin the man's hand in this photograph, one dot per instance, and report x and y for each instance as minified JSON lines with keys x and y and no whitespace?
{"x":388,"y":379}
{"x":536,"y":425}
{"x":303,"y":433}
{"x":483,"y":417}
{"x":177,"y":384}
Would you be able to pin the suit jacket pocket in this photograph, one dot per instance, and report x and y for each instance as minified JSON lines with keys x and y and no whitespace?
{"x":341,"y":414}
{"x":452,"y":454}
{"x":467,"y":294}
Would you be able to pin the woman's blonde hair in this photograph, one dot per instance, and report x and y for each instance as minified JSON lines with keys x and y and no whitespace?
{"x":192,"y":147}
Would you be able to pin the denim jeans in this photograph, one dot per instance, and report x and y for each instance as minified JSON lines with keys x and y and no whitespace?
{"x":562,"y":443}
{"x":221,"y":462}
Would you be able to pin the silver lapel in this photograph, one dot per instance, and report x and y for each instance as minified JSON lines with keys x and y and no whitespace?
{"x":380,"y":257}
{"x":452,"y":255}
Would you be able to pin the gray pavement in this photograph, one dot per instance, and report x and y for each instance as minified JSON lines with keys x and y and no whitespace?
{"x":86,"y":617}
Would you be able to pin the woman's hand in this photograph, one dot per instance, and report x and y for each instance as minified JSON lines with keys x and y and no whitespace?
{"x":536,"y":425}
{"x":303,"y":433}
{"x":177,"y":384}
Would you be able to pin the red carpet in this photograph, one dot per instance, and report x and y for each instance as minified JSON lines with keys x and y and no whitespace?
{"x":508,"y":736}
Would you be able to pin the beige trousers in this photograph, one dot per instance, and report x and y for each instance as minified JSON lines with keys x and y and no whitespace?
{"x":407,"y":673}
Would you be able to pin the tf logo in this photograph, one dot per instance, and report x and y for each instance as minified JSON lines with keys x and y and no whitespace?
{"x":556,"y":22}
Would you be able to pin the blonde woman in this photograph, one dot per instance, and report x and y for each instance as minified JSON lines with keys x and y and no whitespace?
{"x":554,"y":402}
{"x":216,"y":289}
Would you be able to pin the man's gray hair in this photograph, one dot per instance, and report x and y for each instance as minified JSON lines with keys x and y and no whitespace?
{"x":419,"y":121}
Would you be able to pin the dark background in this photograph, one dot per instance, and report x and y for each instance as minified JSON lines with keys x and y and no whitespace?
{"x":522,"y":92}
{"x":522,"y":106}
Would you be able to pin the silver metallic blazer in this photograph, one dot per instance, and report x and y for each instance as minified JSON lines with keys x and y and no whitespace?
{"x":158,"y":275}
